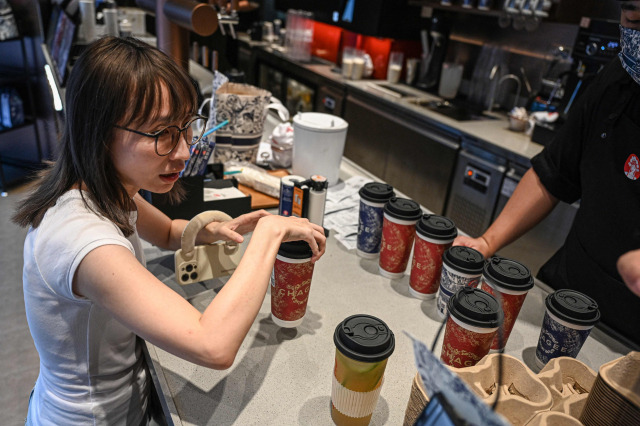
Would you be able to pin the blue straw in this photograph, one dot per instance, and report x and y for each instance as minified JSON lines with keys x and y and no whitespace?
{"x":214,"y":128}
{"x":232,"y":172}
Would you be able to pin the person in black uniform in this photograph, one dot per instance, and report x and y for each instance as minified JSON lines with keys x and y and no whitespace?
{"x":595,"y":159}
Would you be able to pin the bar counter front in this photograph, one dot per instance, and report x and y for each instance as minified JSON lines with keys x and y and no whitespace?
{"x":283,"y":376}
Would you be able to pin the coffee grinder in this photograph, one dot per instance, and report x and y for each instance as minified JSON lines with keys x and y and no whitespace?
{"x":597,"y":43}
{"x":434,"y":51}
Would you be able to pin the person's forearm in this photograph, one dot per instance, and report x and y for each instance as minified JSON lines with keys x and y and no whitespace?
{"x":529,"y":204}
{"x":156,"y":227}
{"x":235,"y":307}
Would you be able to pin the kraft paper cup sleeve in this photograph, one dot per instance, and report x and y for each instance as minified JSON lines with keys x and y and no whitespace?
{"x":354,"y":404}
{"x":418,"y":399}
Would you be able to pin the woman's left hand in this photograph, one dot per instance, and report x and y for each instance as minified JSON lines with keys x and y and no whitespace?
{"x":232,"y":230}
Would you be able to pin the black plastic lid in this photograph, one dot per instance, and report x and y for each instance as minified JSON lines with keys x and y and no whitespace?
{"x":295,"y":250}
{"x":508,"y":274}
{"x":436,"y":227}
{"x":403,"y":209}
{"x":464,"y":259}
{"x":364,"y":338}
{"x":377,"y":192}
{"x":475,"y":307}
{"x":573,"y":306}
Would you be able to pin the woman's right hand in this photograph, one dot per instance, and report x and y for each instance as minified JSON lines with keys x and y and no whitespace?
{"x":294,"y":229}
{"x":479,"y":244}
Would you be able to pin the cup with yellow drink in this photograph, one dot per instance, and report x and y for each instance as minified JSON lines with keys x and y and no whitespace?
{"x":363,"y":345}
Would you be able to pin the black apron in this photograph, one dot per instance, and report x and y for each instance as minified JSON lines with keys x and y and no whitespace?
{"x":607,"y":224}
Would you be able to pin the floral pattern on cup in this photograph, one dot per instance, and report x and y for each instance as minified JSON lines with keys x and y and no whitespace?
{"x":370,"y":227}
{"x":462,"y":347}
{"x":450,"y":282}
{"x":426,"y":266}
{"x":290,"y":289}
{"x":557,"y":340}
{"x":395,"y":247}
{"x":245,"y":107}
{"x":511,"y":305}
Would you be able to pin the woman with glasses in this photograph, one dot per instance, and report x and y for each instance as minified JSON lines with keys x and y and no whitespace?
{"x":129,"y":119}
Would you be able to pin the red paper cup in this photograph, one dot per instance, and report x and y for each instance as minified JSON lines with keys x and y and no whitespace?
{"x":398,"y":232}
{"x":291,"y":283}
{"x":434,"y":234}
{"x":509,"y":281}
{"x":474,"y":316}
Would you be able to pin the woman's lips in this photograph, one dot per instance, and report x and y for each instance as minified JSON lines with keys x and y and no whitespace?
{"x":170,"y":177}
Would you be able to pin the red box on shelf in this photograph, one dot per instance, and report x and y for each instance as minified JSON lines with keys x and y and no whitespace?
{"x":326,"y":41}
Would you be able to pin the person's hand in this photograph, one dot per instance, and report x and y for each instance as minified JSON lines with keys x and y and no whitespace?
{"x":629,"y":268}
{"x":296,"y":229}
{"x":234,"y":229}
{"x":479,"y":244}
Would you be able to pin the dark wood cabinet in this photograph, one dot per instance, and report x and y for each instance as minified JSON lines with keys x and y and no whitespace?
{"x":413,"y":157}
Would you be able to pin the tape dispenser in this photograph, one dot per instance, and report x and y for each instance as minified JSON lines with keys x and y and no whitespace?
{"x":205,"y":262}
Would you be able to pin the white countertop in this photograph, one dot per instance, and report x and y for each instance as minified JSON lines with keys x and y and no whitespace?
{"x":283,"y":376}
{"x":494,"y":131}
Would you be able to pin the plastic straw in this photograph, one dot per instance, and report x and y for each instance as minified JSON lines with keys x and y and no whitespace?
{"x":214,"y":128}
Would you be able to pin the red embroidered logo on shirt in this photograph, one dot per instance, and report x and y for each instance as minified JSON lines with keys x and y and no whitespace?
{"x":632,"y":167}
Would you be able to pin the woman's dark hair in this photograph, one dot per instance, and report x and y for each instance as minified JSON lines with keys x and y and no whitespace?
{"x":114,"y":81}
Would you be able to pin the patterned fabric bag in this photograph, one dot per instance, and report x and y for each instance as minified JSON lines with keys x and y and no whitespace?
{"x":245,"y":107}
{"x":8,"y":26}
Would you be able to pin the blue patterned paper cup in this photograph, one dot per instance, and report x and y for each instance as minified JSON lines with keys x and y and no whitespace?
{"x":373,"y":197}
{"x":461,"y":267}
{"x":450,"y":282}
{"x":369,"y":229}
{"x":568,"y":320}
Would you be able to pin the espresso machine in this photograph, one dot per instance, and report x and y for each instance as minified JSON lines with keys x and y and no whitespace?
{"x":597,"y":43}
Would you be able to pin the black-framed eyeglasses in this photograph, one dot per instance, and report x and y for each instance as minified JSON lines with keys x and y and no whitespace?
{"x":167,"y":139}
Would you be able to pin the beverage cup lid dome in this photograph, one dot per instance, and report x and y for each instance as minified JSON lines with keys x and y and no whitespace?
{"x":508,"y":273}
{"x":376,"y":192}
{"x":436,"y":227}
{"x":295,"y":250}
{"x":464,"y":259}
{"x":573,"y":307}
{"x":364,"y":338}
{"x":403,"y":208}
{"x":475,"y":307}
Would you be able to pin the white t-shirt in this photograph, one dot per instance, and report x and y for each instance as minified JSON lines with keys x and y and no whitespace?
{"x":92,"y":370}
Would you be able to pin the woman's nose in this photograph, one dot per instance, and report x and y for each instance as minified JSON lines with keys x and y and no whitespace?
{"x":182,"y":149}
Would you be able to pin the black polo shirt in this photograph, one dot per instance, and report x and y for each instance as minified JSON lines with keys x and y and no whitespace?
{"x":595,"y":158}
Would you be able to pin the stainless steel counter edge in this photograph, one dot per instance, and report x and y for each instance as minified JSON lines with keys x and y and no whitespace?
{"x":160,"y":386}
